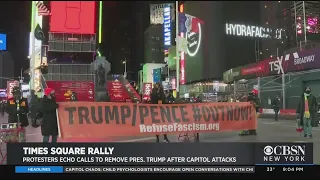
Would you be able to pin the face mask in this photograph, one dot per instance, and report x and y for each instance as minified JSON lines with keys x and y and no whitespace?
{"x":307,"y":91}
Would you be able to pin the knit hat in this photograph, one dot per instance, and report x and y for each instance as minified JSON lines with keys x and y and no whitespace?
{"x":47,"y":91}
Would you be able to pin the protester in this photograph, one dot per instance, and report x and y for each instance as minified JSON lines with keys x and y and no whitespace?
{"x":48,"y":108}
{"x":169,"y":97}
{"x":276,"y":106}
{"x":157,"y":95}
{"x":254,"y":99}
{"x":17,"y":108}
{"x":306,"y":108}
{"x":2,"y":108}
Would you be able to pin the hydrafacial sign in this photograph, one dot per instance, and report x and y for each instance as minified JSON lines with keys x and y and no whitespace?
{"x":254,"y":31}
{"x":167,"y":25}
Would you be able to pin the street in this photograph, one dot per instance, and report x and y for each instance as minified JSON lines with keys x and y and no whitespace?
{"x":268,"y":131}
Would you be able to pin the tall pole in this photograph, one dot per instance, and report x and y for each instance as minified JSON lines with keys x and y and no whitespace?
{"x":283,"y":83}
{"x":125,"y":68}
{"x":304,"y":22}
{"x":33,"y":48}
{"x":177,"y":50}
{"x":295,"y":21}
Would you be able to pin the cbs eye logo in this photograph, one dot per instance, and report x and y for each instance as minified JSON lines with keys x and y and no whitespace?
{"x":268,"y":150}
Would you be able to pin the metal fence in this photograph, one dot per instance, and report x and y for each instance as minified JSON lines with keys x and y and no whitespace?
{"x":69,"y":77}
{"x":70,"y":69}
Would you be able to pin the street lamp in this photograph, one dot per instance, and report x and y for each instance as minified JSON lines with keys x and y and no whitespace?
{"x":125,"y":68}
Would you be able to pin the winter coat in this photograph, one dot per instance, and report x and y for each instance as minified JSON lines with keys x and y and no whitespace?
{"x":49,"y":124}
{"x":276,"y":103}
{"x":157,"y":95}
{"x":11,"y":109}
{"x":313,"y":106}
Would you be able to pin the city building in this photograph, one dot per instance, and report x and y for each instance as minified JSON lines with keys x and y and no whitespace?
{"x":276,"y":16}
{"x":305,"y":12}
{"x":142,"y":19}
{"x":119,"y":39}
{"x":153,"y":44}
{"x":6,"y":68}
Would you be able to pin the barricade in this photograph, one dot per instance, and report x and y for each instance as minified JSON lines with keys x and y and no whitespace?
{"x":105,"y":119}
{"x":9,"y":132}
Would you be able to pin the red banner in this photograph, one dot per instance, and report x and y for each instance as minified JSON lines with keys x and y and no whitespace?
{"x":100,"y":120}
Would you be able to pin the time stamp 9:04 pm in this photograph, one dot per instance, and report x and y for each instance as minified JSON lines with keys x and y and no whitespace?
{"x":285,"y":169}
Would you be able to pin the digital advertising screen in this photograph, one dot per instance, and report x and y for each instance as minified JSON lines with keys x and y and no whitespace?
{"x":76,"y":17}
{"x":3,"y":42}
{"x":191,"y":28}
{"x":211,"y":51}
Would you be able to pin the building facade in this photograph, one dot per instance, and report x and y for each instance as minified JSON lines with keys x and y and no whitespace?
{"x":6,"y":68}
{"x":153,"y":44}
{"x":276,"y":16}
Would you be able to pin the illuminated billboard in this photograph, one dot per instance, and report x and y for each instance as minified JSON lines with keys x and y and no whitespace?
{"x":156,"y":13}
{"x":167,"y":25}
{"x":3,"y":42}
{"x":191,"y":61}
{"x":254,"y":31}
{"x":77,"y":17}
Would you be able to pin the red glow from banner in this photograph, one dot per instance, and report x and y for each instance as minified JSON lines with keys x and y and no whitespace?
{"x":76,"y":17}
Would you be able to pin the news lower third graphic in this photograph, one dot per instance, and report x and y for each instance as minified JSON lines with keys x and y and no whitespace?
{"x":291,"y":153}
{"x":150,"y":157}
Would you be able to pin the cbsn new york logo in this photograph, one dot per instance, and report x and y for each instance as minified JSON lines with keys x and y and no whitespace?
{"x":287,"y":153}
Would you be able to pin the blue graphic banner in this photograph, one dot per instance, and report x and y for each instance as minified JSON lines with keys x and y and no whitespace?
{"x":167,"y":25}
{"x":156,"y":75}
{"x":3,"y":42}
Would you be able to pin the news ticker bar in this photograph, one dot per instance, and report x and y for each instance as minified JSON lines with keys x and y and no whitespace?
{"x":166,"y":169}
{"x":134,"y":169}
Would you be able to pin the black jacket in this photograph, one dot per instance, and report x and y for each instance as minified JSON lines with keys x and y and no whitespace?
{"x":276,"y":103}
{"x":34,"y":106}
{"x":11,"y":109}
{"x":157,"y":94}
{"x":48,"y":109}
{"x":313,"y":106}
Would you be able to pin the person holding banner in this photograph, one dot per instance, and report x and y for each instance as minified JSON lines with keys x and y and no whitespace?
{"x":48,"y":108}
{"x":254,"y":99}
{"x":158,"y":97}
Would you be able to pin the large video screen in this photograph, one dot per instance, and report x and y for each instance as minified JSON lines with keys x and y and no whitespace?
{"x":192,"y":28}
{"x":217,"y":52}
{"x":76,"y":17}
{"x":3,"y":42}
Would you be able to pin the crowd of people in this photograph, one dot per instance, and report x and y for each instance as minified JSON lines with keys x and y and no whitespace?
{"x":41,"y":112}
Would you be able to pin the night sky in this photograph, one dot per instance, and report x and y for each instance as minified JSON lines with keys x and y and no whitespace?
{"x":15,"y":22}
